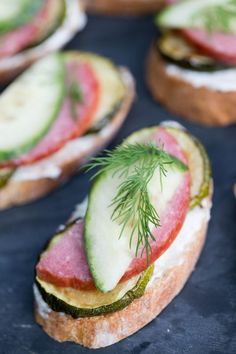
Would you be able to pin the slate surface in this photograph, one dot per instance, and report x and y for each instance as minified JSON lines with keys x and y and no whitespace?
{"x":202,"y":319}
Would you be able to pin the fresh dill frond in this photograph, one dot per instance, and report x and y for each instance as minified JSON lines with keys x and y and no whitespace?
{"x":135,"y":165}
{"x":217,"y":17}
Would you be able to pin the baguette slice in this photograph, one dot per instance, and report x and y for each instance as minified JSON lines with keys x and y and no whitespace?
{"x":171,"y":272}
{"x":198,"y":104}
{"x":67,"y":160}
{"x":74,"y":21}
{"x":123,"y":7}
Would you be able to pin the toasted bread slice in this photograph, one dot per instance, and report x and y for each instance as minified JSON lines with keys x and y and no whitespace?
{"x":198,"y":104}
{"x":69,"y":158}
{"x":74,"y":21}
{"x":171,"y":272}
{"x":123,"y":7}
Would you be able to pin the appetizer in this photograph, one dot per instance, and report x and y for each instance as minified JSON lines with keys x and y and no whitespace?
{"x":129,"y":249}
{"x":123,"y":7}
{"x":191,"y":66}
{"x":30,"y":29}
{"x":63,"y":108}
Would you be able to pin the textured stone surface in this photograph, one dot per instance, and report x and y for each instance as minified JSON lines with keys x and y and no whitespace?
{"x":202,"y":318}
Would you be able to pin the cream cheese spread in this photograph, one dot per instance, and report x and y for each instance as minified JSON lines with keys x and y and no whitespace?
{"x":221,"y":80}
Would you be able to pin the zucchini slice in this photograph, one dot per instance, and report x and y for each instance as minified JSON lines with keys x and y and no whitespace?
{"x":29,"y":106}
{"x":94,"y":303}
{"x":175,"y":49}
{"x":210,"y":15}
{"x":5,"y":175}
{"x":198,"y":162}
{"x":112,"y":87}
{"x":15,"y":13}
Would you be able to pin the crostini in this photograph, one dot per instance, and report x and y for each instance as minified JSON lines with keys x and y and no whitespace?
{"x":191,"y":66}
{"x":62,"y":109}
{"x":131,"y":246}
{"x":123,"y":7}
{"x":31,"y":29}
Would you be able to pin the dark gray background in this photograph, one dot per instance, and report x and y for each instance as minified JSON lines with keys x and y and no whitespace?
{"x":202,"y":319}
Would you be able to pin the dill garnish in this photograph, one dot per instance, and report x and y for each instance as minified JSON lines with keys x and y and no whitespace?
{"x":135,"y":165}
{"x":217,"y":17}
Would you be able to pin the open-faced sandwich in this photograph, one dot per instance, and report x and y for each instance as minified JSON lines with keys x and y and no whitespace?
{"x":123,"y":7}
{"x":30,"y":29}
{"x":191,"y":67}
{"x":62,"y":109}
{"x":127,"y":251}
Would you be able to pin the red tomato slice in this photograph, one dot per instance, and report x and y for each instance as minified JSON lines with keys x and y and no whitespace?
{"x":66,"y":264}
{"x":66,"y":126}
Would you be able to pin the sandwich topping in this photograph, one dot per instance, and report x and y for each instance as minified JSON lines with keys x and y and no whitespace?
{"x":114,"y":245}
{"x":28,"y":24}
{"x":198,"y":42}
{"x":49,"y":108}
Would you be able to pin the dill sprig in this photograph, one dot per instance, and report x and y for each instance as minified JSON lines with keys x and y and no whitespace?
{"x":135,"y":165}
{"x":218,"y":17}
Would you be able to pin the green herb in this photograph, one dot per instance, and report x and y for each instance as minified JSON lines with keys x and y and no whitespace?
{"x":135,"y":164}
{"x":76,"y":96}
{"x":218,"y":17}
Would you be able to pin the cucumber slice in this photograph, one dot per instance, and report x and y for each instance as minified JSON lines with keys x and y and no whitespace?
{"x":112,"y":88}
{"x":198,"y":162}
{"x":15,"y":13}
{"x":175,"y":49}
{"x":79,"y":303}
{"x":212,"y":15}
{"x":29,"y":106}
{"x":108,"y":254}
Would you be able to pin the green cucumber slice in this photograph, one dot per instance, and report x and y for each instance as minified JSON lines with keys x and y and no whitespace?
{"x":198,"y":162}
{"x":29,"y":106}
{"x":15,"y":13}
{"x":212,"y":15}
{"x":111,"y":84}
{"x":108,"y":254}
{"x":93,"y":303}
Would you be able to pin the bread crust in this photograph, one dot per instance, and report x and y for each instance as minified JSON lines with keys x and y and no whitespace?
{"x":20,"y":192}
{"x":101,"y":331}
{"x":200,"y":105}
{"x":14,"y":65}
{"x":123,"y":7}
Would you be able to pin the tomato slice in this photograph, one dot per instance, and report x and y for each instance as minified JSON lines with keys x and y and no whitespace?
{"x":73,"y":119}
